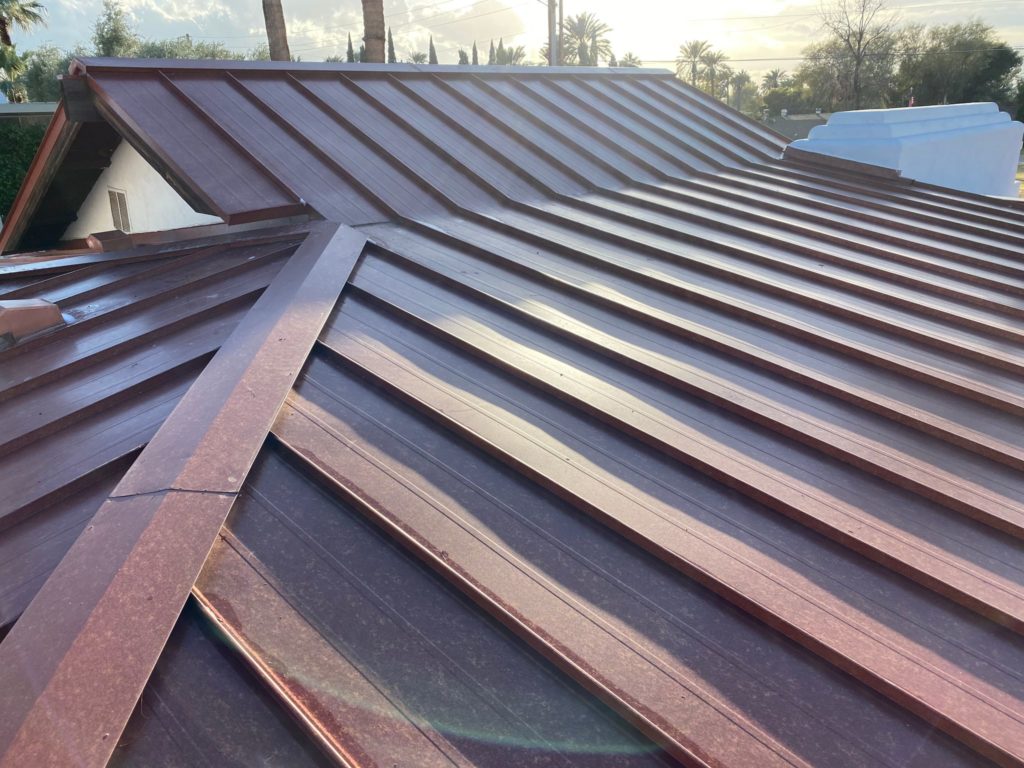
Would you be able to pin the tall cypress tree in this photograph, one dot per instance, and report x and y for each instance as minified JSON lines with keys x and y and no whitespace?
{"x":492,"y":56}
{"x":476,"y":56}
{"x":350,"y":54}
{"x":431,"y":53}
{"x":499,"y":57}
{"x":392,"y":58}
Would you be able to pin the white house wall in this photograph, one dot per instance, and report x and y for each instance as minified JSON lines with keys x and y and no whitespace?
{"x":153,"y":205}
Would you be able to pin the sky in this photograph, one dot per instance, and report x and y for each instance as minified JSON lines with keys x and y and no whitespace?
{"x":757,"y":35}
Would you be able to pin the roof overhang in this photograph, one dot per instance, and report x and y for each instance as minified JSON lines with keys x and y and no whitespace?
{"x":83,"y":133}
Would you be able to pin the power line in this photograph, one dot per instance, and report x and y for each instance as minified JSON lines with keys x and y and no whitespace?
{"x":818,"y":13}
{"x":891,"y":53}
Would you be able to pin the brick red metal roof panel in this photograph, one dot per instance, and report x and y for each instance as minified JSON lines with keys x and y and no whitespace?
{"x":202,"y":707}
{"x":77,"y":404}
{"x":624,"y":432}
{"x":394,"y":663}
{"x":363,"y":144}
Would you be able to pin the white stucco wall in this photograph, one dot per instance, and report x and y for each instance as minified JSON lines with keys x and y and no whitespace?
{"x":972,"y":147}
{"x":153,"y":205}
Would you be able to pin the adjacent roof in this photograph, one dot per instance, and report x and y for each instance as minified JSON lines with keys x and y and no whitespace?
{"x":587,"y":430}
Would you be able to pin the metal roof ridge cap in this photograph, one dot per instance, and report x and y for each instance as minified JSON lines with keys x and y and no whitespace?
{"x":82,"y":651}
{"x":85,"y":65}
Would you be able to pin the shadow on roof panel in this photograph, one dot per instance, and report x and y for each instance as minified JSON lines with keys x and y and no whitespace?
{"x":445,"y":668}
{"x":706,"y":649}
{"x":203,"y":707}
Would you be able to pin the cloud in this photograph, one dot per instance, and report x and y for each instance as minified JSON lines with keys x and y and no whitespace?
{"x":652,"y":29}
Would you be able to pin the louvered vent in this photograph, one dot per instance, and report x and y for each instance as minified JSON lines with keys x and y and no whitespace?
{"x":119,"y":210}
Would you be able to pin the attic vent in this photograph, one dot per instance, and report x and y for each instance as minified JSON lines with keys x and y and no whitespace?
{"x":119,"y":210}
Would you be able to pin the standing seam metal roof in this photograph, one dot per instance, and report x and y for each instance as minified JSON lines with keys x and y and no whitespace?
{"x":626,"y":442}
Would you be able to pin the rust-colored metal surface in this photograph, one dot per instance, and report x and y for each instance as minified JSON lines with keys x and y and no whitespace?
{"x":628,"y":442}
{"x":382,"y":661}
{"x":78,"y":404}
{"x":136,"y":560}
{"x":202,"y":707}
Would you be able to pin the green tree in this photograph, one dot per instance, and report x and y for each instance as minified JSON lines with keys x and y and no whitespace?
{"x":861,"y":28}
{"x":630,"y":60}
{"x":463,"y":57}
{"x":475,"y":58}
{"x":20,"y":143}
{"x":509,"y":56}
{"x":261,"y":52}
{"x":23,"y":14}
{"x":713,"y":68}
{"x":587,"y":32}
{"x":12,"y":68}
{"x":184,"y":48}
{"x":793,"y":97}
{"x":350,"y":52}
{"x":392,"y":58}
{"x":113,"y":34}
{"x":775,"y":78}
{"x":582,"y":54}
{"x":688,"y":60}
{"x":45,"y":65}
{"x":612,"y":61}
{"x":831,"y":79}
{"x":492,"y":57}
{"x":418,"y":58}
{"x":958,"y":63}
{"x":431,"y":52}
{"x":741,"y":85}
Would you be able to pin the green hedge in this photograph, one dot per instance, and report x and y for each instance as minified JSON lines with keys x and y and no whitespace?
{"x":18,"y":144}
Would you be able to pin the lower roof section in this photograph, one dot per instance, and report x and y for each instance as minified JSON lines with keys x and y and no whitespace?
{"x":79,"y":403}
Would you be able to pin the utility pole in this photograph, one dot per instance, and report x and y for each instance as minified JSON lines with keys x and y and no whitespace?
{"x":561,"y":36}
{"x":553,"y":47}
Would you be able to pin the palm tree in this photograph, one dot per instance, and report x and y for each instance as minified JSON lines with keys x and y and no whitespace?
{"x":510,"y":56}
{"x":739,"y":81}
{"x":277,"y":33}
{"x":630,"y":60}
{"x":690,"y":54}
{"x":19,"y":13}
{"x":773,"y":79}
{"x":418,"y":58}
{"x":12,"y":67}
{"x":587,"y":35}
{"x":373,"y":30}
{"x":714,"y":66}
